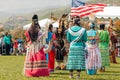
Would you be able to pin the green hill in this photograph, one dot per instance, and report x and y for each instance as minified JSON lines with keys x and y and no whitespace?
{"x":14,"y":21}
{"x":66,"y":9}
{"x":57,"y":12}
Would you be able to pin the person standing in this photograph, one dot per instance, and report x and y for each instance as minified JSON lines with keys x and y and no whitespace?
{"x":11,"y":43}
{"x":7,"y":42}
{"x":104,"y":46}
{"x":93,"y":61}
{"x":77,"y":37}
{"x":113,"y":41}
{"x":35,"y":63}
{"x":60,"y":48}
{"x":118,"y":47}
{"x":20,"y":48}
{"x":1,"y":44}
{"x":67,"y":44}
{"x":51,"y":54}
{"x":15,"y":47}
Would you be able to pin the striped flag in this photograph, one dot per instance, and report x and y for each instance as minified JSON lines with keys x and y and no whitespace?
{"x":80,"y":9}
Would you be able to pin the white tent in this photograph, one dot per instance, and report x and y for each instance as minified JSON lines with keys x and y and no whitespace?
{"x":110,"y":11}
{"x":42,"y":23}
{"x":56,"y":24}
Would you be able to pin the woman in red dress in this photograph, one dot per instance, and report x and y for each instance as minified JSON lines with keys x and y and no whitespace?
{"x":35,"y":63}
{"x":51,"y":53}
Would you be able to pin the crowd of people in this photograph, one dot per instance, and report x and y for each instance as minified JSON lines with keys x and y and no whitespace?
{"x":74,"y":46}
{"x":70,"y":47}
{"x":8,"y":46}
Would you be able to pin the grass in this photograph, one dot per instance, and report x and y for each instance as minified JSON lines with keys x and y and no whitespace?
{"x":11,"y":69}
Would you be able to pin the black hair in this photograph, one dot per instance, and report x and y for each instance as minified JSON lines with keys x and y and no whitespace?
{"x":35,"y":16}
{"x":50,"y":27}
{"x":6,"y":34}
{"x":92,"y":26}
{"x":77,"y":20}
{"x":34,"y":29}
{"x":35,"y":19}
{"x":102,"y":26}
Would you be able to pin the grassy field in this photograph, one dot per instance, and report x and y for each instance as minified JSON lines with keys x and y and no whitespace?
{"x":11,"y":69}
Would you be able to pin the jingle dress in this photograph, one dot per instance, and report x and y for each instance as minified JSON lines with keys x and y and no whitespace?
{"x":77,"y":37}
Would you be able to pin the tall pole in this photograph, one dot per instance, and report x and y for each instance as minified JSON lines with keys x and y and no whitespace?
{"x":51,"y":15}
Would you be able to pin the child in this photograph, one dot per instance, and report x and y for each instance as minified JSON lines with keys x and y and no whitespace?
{"x":20,"y":48}
{"x":15,"y":46}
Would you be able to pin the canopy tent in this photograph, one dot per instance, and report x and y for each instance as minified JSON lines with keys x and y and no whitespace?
{"x":109,"y":12}
{"x":56,"y":24}
{"x":43,"y":23}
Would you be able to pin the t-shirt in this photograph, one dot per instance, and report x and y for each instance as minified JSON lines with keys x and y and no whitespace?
{"x":15,"y":44}
{"x":7,"y":40}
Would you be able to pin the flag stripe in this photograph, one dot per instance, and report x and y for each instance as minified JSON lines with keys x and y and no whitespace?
{"x":85,"y":13}
{"x":87,"y":6}
{"x":87,"y":9}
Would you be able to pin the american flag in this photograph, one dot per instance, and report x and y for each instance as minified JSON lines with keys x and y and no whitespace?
{"x":79,"y":8}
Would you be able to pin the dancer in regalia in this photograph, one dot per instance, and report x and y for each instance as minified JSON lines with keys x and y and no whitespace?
{"x":93,"y":61}
{"x":35,"y":63}
{"x":104,"y":47}
{"x":61,"y":52}
{"x":77,"y":37}
{"x":51,"y":53}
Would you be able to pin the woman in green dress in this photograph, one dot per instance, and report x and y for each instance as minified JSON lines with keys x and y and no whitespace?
{"x":77,"y":37}
{"x":104,"y":46}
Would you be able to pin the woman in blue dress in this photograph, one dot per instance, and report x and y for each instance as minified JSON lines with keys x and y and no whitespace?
{"x":77,"y":37}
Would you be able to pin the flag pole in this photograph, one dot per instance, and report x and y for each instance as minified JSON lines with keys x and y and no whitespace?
{"x":51,"y":15}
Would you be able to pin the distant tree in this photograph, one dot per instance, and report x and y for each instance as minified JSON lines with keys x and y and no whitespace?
{"x":18,"y":33}
{"x":1,"y":29}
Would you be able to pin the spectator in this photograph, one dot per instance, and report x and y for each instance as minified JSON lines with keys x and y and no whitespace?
{"x":20,"y":48}
{"x":7,"y":41}
{"x":15,"y":46}
{"x":1,"y":44}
